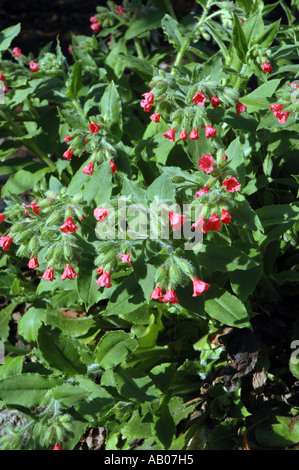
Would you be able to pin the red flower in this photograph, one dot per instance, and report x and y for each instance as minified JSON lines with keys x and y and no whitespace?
{"x":148,"y":101}
{"x":67,"y":138}
{"x":95,"y":26}
{"x":2,"y":77}
{"x":100,"y":270}
{"x":104,"y":280}
{"x":68,"y":154}
{"x":199,"y":287}
{"x":125,"y":258}
{"x":69,"y":226}
{"x":176,"y":220}
{"x":113,"y":167}
{"x":68,"y":273}
{"x":282,"y":116}
{"x":33,"y":66}
{"x":276,"y":108}
{"x":2,"y":217}
{"x":183,"y":135}
{"x":225,"y":217}
{"x":210,"y":131}
{"x":215,"y":101}
{"x":155,"y":117}
{"x":93,"y":19}
{"x":100,"y":214}
{"x":57,"y":447}
{"x":224,"y":157}
{"x":266,"y":67}
{"x":16,"y":52}
{"x":33,"y":263}
{"x":70,"y":50}
{"x":213,"y":224}
{"x":231,"y":184}
{"x":88,"y":169}
{"x":240,"y":108}
{"x":294,"y":84}
{"x":200,"y":225}
{"x":5,"y":242}
{"x":157,"y":294}
{"x":170,"y":297}
{"x":202,"y":191}
{"x":193,"y":135}
{"x":33,"y":206}
{"x":119,"y":10}
{"x":199,"y":98}
{"x":170,"y":134}
{"x":206,"y":163}
{"x":94,"y":128}
{"x":48,"y":274}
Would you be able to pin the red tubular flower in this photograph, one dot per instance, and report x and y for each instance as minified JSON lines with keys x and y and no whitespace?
{"x":210,"y":131}
{"x":194,"y":135}
{"x":199,"y":287}
{"x":206,"y":163}
{"x":125,"y":258}
{"x":213,"y":224}
{"x":68,"y":273}
{"x":70,"y":50}
{"x":100,"y":270}
{"x":16,"y":52}
{"x":215,"y":101}
{"x":88,"y":169}
{"x":5,"y":242}
{"x":104,"y":280}
{"x":199,"y":98}
{"x":225,"y":217}
{"x":33,"y":263}
{"x":94,"y":128}
{"x":170,"y":134}
{"x":33,"y":66}
{"x":224,"y":157}
{"x":67,"y":138}
{"x":33,"y":206}
{"x":202,"y":191}
{"x":57,"y":447}
{"x":2,"y":217}
{"x":95,"y":26}
{"x":100,"y":214}
{"x":48,"y":274}
{"x":113,"y":167}
{"x":176,"y":220}
{"x":2,"y":77}
{"x":231,"y":184}
{"x":170,"y":297}
{"x":69,"y":226}
{"x":157,"y":294}
{"x":93,"y":19}
{"x":119,"y":10}
{"x":276,"y":108}
{"x":155,"y":117}
{"x":240,"y":108}
{"x":282,"y":116}
{"x":200,"y":225}
{"x":183,"y":135}
{"x":266,"y":67}
{"x":148,"y":101}
{"x":68,"y":154}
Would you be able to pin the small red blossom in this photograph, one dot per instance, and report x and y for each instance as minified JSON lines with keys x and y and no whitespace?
{"x":93,"y":19}
{"x":125,"y":258}
{"x":157,"y":294}
{"x":94,"y":128}
{"x":231,"y":184}
{"x":48,"y":274}
{"x":240,"y":108}
{"x":202,"y":191}
{"x":282,"y":116}
{"x":69,"y":226}
{"x":206,"y":163}
{"x":155,"y":117}
{"x":183,"y":135}
{"x":213,"y":224}
{"x":147,"y":101}
{"x":57,"y":447}
{"x":100,"y":214}
{"x":33,"y":66}
{"x":104,"y":280}
{"x":224,"y":157}
{"x":33,"y":206}
{"x":176,"y":220}
{"x":5,"y":242}
{"x":68,"y":273}
{"x":33,"y":263}
{"x":199,"y":98}
{"x":170,"y":135}
{"x":215,"y":102}
{"x":170,"y":297}
{"x":294,"y":84}
{"x":119,"y":10}
{"x":193,"y":134}
{"x":266,"y":67}
{"x":68,"y":138}
{"x":200,"y":225}
{"x":95,"y":26}
{"x":199,"y":287}
{"x":2,"y":217}
{"x":113,"y":167}
{"x":70,"y":50}
{"x":276,"y":108}
{"x":16,"y":52}
{"x":100,"y":270}
{"x":2,"y":77}
{"x":88,"y":169}
{"x":210,"y":131}
{"x":68,"y":154}
{"x":225,"y":217}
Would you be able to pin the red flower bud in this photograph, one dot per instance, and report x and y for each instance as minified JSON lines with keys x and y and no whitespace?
{"x":33,"y":263}
{"x":104,"y":280}
{"x":170,"y":134}
{"x":68,"y":154}
{"x":276,"y":108}
{"x":199,"y":98}
{"x":266,"y":67}
{"x":170,"y":297}
{"x":48,"y":274}
{"x":67,"y":138}
{"x":199,"y":287}
{"x":57,"y":447}
{"x":155,"y":117}
{"x":94,"y":128}
{"x":16,"y":52}
{"x":113,"y":167}
{"x":210,"y":131}
{"x":88,"y":169}
{"x":240,"y":108}
{"x":2,"y":77}
{"x":5,"y":242}
{"x":69,"y":226}
{"x":157,"y":294}
{"x":100,"y":214}
{"x":33,"y":66}
{"x":119,"y":10}
{"x":193,"y":135}
{"x":2,"y":217}
{"x":282,"y":116}
{"x":202,"y":191}
{"x":100,"y":270}
{"x":225,"y":217}
{"x":206,"y":163}
{"x":231,"y":184}
{"x":93,"y":19}
{"x":183,"y":135}
{"x":33,"y":206}
{"x":125,"y":258}
{"x":176,"y":220}
{"x":200,"y":225}
{"x":68,"y":273}
{"x":215,"y":101}
{"x":147,"y":101}
{"x":95,"y":27}
{"x":213,"y":224}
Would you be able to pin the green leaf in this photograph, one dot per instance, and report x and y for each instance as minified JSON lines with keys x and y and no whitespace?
{"x":12,"y":366}
{"x":113,"y":348}
{"x":239,"y":40}
{"x":171,"y":29}
{"x":267,"y":36}
{"x":278,"y":432}
{"x":7,"y":35}
{"x":111,"y":110}
{"x":74,"y":83}
{"x":99,"y":192}
{"x":60,"y":351}
{"x":143,"y":24}
{"x":260,"y":97}
{"x":30,"y":322}
{"x":164,"y":426}
{"x":162,"y":189}
{"x":226,"y":308}
{"x":138,"y":427}
{"x":22,"y":181}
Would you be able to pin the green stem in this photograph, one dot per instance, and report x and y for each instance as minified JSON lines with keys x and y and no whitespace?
{"x":170,"y":9}
{"x":138,"y":48}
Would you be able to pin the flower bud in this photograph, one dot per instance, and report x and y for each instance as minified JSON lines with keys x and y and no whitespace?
{"x":67,"y":252}
{"x":53,"y":219}
{"x":160,"y":275}
{"x":33,"y":244}
{"x":77,"y":198}
{"x":174,"y":275}
{"x":186,"y":267}
{"x":68,"y":212}
{"x":22,"y":237}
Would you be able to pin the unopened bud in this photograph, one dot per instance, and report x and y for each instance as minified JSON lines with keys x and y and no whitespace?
{"x":77,"y":198}
{"x":33,"y":244}
{"x":174,"y":274}
{"x":53,"y":219}
{"x":160,"y":275}
{"x":186,"y":267}
{"x":67,"y":252}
